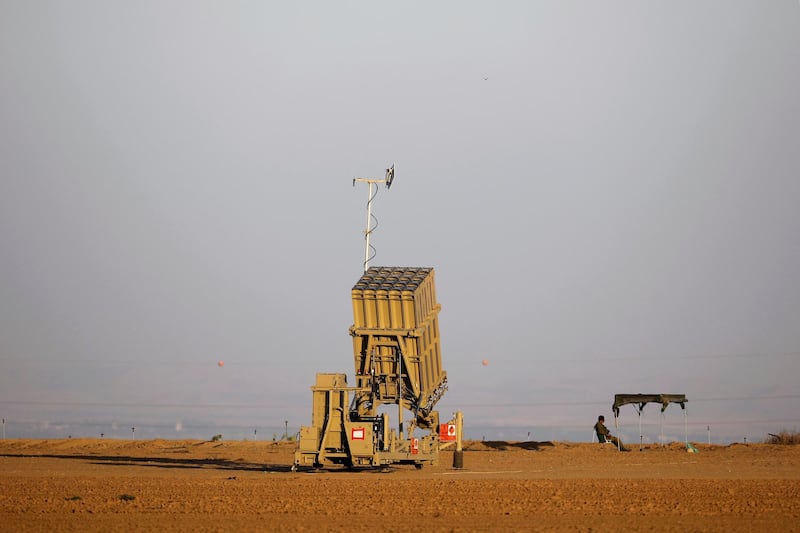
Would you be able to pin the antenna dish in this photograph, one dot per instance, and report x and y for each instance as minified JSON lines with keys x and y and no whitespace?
{"x":389,"y":176}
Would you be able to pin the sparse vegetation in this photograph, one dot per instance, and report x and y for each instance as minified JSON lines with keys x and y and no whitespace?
{"x":784,"y":437}
{"x":216,"y":438}
{"x":73,"y":498}
{"x":127,"y":497}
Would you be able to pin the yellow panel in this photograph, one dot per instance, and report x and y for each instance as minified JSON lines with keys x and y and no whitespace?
{"x":407,"y":303}
{"x":358,"y":307}
{"x":370,"y":311}
{"x":400,"y":301}
{"x":382,"y":306}
{"x":395,"y":309}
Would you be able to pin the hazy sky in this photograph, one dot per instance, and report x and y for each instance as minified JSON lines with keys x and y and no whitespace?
{"x":608,"y":192}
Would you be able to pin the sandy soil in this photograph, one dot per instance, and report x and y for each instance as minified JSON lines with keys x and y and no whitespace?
{"x":116,"y":485}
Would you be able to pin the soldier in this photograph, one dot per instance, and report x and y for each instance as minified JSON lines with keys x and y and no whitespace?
{"x":603,"y":434}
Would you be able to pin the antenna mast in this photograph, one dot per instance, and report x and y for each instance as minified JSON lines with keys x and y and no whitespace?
{"x":388,"y":178}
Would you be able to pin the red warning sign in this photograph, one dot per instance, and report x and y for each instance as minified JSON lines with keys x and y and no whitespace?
{"x":414,"y":446}
{"x":447,"y":432}
{"x":357,"y":434}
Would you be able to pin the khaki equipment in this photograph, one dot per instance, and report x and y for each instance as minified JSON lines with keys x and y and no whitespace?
{"x":398,"y":364}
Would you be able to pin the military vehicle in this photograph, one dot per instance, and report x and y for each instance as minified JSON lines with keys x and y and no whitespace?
{"x":398,"y":365}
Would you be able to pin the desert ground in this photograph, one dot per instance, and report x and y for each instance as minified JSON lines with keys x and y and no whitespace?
{"x":161,"y":485}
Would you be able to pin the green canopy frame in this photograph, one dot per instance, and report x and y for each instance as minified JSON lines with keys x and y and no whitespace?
{"x":640,"y":400}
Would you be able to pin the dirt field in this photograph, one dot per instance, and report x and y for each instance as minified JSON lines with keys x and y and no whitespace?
{"x":117,"y":485}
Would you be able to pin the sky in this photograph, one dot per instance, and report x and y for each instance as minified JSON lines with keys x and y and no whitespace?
{"x":607,"y":192}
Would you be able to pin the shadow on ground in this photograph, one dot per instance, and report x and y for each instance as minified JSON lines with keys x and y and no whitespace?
{"x":502,"y":445}
{"x":161,"y":462}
